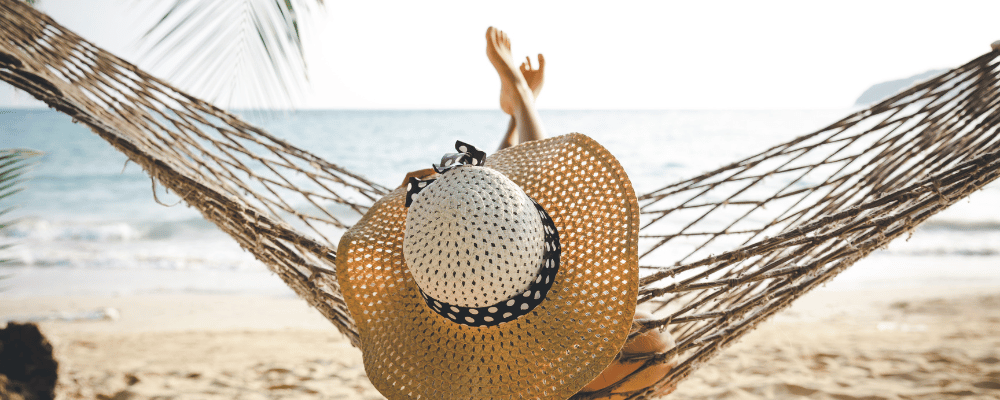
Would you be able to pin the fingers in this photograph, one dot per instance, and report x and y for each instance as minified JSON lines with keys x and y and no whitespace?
{"x":529,"y":61}
{"x":541,"y":62}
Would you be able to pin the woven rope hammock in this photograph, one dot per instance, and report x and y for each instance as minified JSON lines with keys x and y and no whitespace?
{"x":720,"y":252}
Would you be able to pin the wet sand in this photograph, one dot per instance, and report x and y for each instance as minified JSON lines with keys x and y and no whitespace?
{"x":929,"y":344}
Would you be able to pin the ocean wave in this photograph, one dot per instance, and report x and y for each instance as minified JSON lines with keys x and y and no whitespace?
{"x":980,"y":252}
{"x":957,"y":225}
{"x":192,"y":244}
{"x":164,"y":259}
{"x":939,"y":238}
{"x":42,"y":230}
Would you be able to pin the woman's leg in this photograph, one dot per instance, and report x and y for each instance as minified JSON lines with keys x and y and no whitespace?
{"x":516,"y":97}
{"x":535,"y":79}
{"x":509,"y":138}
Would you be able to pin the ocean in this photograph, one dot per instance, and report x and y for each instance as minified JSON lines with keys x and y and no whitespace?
{"x":87,"y":222}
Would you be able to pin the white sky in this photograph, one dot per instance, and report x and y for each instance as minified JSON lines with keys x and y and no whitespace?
{"x":629,"y":55}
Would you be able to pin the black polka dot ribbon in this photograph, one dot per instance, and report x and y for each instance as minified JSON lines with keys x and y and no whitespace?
{"x":413,"y":188}
{"x":519,"y":305}
{"x":467,"y":155}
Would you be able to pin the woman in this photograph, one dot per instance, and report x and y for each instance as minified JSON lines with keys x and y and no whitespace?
{"x":520,"y":86}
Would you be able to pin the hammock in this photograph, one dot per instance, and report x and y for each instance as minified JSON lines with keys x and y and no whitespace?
{"x":720,"y":252}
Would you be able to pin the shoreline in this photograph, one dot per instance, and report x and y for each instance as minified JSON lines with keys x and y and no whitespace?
{"x":831,"y":344}
{"x":278,"y":308}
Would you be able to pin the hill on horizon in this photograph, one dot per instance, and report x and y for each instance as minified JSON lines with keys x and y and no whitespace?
{"x":884,"y":90}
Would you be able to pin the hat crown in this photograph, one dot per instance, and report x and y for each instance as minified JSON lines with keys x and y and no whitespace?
{"x":473,"y":238}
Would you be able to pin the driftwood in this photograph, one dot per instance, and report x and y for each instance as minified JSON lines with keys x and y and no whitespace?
{"x":720,"y":252}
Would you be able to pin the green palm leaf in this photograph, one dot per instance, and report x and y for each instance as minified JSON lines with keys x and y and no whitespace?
{"x":14,"y":163}
{"x":235,"y":52}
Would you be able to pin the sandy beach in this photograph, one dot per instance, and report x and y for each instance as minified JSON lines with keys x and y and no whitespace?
{"x":913,"y":344}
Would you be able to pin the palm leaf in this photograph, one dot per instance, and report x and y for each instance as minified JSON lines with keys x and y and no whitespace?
{"x":14,"y":163}
{"x":235,"y":52}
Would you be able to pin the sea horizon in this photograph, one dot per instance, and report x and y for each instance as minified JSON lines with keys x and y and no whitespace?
{"x":88,"y":222}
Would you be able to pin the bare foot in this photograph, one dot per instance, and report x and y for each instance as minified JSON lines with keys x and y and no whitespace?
{"x":517,"y":98}
{"x":534,"y":77}
{"x":511,"y":79}
{"x":651,"y":342}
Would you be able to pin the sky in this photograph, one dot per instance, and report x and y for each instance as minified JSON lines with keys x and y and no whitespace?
{"x":600,"y":55}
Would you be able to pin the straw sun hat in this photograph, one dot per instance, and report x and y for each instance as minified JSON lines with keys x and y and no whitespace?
{"x":513,"y":276}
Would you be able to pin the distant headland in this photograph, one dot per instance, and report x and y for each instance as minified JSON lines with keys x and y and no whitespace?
{"x":882,"y":91}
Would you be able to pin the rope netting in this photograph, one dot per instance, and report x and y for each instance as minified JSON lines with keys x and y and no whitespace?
{"x":720,"y":252}
{"x":725,"y":250}
{"x":283,"y":204}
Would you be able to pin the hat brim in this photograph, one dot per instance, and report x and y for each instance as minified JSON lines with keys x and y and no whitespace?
{"x":410,"y":351}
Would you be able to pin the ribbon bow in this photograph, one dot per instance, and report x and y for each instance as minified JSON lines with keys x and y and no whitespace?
{"x":467,"y":155}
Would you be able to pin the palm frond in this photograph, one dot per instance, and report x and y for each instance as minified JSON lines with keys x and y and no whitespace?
{"x":14,"y":163}
{"x":246,"y":53}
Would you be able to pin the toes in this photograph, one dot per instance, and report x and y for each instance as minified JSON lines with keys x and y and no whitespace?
{"x":498,"y":40}
{"x":493,"y":36}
